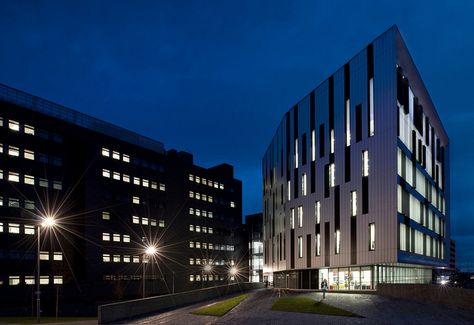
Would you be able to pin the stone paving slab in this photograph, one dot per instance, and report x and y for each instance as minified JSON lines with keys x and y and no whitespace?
{"x":375,"y":309}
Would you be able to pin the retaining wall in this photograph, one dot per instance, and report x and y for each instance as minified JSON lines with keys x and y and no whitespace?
{"x":124,"y":310}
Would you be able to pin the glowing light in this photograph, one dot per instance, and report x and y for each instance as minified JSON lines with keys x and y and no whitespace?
{"x":233,"y":271}
{"x":151,"y":250}
{"x":48,"y":222}
{"x":208,"y":268}
{"x":443,"y":282}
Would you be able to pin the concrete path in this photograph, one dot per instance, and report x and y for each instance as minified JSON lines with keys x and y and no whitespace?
{"x":375,"y":309}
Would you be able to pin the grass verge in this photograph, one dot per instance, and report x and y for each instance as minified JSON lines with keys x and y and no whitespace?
{"x":301,"y":304}
{"x":220,"y":308}
{"x":32,"y":320}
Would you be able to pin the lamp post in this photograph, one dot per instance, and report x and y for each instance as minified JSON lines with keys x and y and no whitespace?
{"x":233,"y":272}
{"x":150,"y":251}
{"x":48,"y":222}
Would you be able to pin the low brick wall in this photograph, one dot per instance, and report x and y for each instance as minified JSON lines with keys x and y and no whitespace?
{"x":455,"y":297}
{"x":124,"y":310}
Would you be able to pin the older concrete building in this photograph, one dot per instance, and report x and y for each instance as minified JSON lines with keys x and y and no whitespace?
{"x":356,"y":179}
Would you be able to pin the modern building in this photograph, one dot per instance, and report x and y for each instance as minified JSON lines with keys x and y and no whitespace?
{"x":254,"y":225}
{"x":356,"y":179}
{"x":114,"y":196}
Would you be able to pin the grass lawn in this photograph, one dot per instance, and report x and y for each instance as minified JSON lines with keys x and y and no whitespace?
{"x":32,"y":320}
{"x":301,"y":304}
{"x":220,"y":308}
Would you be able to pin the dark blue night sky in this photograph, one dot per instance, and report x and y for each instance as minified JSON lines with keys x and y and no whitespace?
{"x":215,"y":77}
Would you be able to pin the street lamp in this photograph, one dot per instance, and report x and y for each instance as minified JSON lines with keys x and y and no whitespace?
{"x":47,"y":222}
{"x":150,"y":251}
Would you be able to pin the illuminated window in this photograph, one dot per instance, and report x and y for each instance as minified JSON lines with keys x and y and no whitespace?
{"x":106,"y":173}
{"x":106,"y":258}
{"x":288,"y":186}
{"x":317,"y":211}
{"x":29,"y":129}
{"x":136,"y":200}
{"x":318,"y":244}
{"x":204,"y":181}
{"x":210,"y":214}
{"x":135,"y":220}
{"x":105,"y":236}
{"x":105,"y":215}
{"x":300,"y":246}
{"x":210,"y":199}
{"x":145,"y":183}
{"x":44,"y":256}
{"x":135,"y":259}
{"x":29,"y":205}
{"x":296,"y":153}
{"x":353,"y":203}
{"x":153,"y":222}
{"x":13,"y":203}
{"x":161,"y":223}
{"x":197,"y":179}
{"x":14,"y":125}
{"x":198,"y":196}
{"x":221,"y":186}
{"x":43,"y":182}
{"x":292,"y":218}
{"x":116,"y":258}
{"x":126,"y":259}
{"x":313,"y":146}
{"x":105,"y":152}
{"x":198,"y":228}
{"x":1,"y":148}
{"x":58,"y":279}
{"x":13,"y":151}
{"x":198,"y":244}
{"x":300,"y":216}
{"x":191,"y":278}
{"x":126,"y":178}
{"x":44,"y":279}
{"x":126,"y":238}
{"x":303,"y":184}
{"x":13,"y":177}
{"x":198,"y":261}
{"x":29,"y":230}
{"x":365,"y":163}
{"x":191,"y":244}
{"x":210,"y":230}
{"x":216,"y":185}
{"x":337,"y":238}
{"x":1,"y":174}
{"x":57,"y":256}
{"x":14,"y":280}
{"x":204,"y":213}
{"x":115,"y":155}
{"x":191,"y":227}
{"x":116,"y":175}
{"x":371,"y":236}
{"x":30,"y":279}
{"x":211,"y":246}
{"x":204,"y":197}
{"x":198,"y":212}
{"x":57,"y":185}
{"x":191,"y":177}
{"x":332,"y":141}
{"x":332,"y":175}
{"x":28,"y":154}
{"x":232,"y":204}
{"x":136,"y":181}
{"x":144,"y":221}
{"x":154,"y":185}
{"x":191,"y":194}
{"x":126,"y":158}
{"x":1,"y":226}
{"x":13,"y":228}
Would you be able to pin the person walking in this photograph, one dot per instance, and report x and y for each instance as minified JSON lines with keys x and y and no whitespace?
{"x":324,"y":287}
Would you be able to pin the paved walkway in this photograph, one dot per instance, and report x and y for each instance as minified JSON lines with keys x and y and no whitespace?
{"x":375,"y":309}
